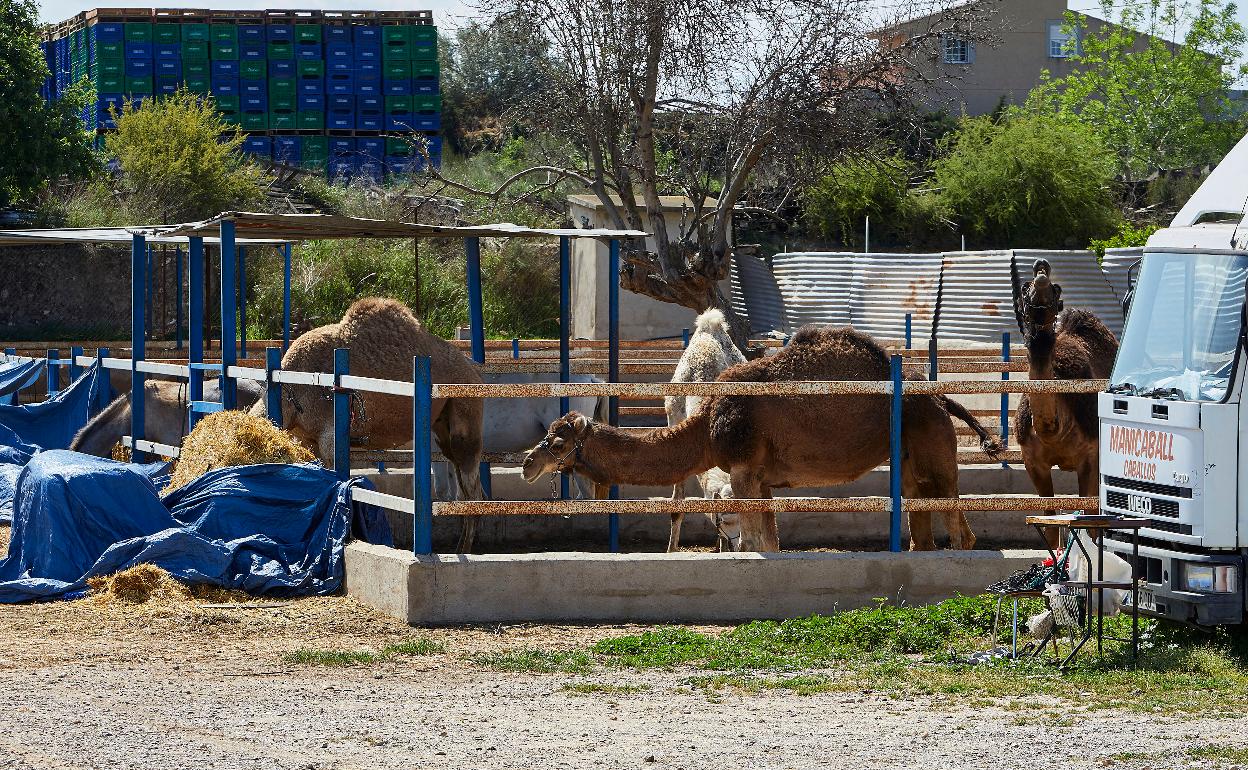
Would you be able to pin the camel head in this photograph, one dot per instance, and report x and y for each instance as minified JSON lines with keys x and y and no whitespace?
{"x":559,"y":451}
{"x":1040,"y":299}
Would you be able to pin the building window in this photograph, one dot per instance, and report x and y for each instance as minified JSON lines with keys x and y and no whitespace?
{"x":957,"y":50}
{"x":1063,"y":43}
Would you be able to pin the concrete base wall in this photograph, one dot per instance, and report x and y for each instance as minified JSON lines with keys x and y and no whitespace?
{"x":659,"y":588}
{"x":994,"y":529}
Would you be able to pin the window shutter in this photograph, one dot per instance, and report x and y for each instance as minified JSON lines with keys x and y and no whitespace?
{"x":970,"y":52}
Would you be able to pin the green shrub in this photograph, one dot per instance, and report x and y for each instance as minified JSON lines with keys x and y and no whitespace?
{"x":180,"y":160}
{"x":1128,"y":235}
{"x":856,"y":188}
{"x":1027,"y":181}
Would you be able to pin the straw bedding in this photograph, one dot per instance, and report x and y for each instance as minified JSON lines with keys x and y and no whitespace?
{"x":226,"y":439}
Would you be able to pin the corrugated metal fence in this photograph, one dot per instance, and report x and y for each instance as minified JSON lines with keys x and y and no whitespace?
{"x":874,"y":292}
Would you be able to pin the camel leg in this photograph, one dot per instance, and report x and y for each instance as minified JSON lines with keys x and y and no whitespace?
{"x":673,"y":538}
{"x":771,"y":530}
{"x":929,"y":469}
{"x":1041,"y":474}
{"x":458,"y":432}
{"x":747,"y":484}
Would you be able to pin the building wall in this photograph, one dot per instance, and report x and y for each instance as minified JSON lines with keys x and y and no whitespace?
{"x":641,"y":317}
{"x":1007,"y":64}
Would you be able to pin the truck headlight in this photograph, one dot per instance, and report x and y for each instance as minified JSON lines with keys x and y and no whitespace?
{"x":1209,"y":578}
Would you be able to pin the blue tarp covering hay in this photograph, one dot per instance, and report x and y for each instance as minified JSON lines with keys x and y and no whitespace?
{"x":270,"y":530}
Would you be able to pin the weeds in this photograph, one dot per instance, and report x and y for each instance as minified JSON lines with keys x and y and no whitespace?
{"x":535,"y":661}
{"x":347,"y":658}
{"x":598,"y":688}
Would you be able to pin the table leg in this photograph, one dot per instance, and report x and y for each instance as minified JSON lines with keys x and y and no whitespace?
{"x":1135,"y":597}
{"x":1100,"y":596}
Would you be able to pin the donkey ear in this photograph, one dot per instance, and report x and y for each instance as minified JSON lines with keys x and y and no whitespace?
{"x":580,"y":424}
{"x":1040,"y":266}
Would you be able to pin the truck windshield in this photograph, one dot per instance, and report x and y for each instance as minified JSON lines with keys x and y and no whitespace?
{"x":1183,"y":330}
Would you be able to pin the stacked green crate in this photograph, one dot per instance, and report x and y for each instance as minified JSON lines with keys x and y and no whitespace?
{"x":139,"y":32}
{"x":196,"y":70}
{"x":108,"y":70}
{"x":315,"y":152}
{"x":224,"y":42}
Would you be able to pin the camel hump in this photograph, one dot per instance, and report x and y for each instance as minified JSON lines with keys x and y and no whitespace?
{"x":810,"y":334}
{"x":377,"y":312}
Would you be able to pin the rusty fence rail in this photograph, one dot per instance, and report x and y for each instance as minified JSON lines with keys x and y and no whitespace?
{"x":423,"y":392}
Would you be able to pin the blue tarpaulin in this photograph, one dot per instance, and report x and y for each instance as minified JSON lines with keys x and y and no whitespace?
{"x":14,"y":376}
{"x":53,"y":423}
{"x":273,"y":530}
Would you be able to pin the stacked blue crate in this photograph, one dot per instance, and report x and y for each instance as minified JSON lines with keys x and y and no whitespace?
{"x":260,"y":147}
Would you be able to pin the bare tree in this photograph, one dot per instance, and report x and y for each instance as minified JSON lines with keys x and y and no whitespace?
{"x":733,"y":104}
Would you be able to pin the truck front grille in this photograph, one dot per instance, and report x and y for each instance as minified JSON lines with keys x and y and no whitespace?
{"x":1147,"y":486}
{"x":1170,"y":526}
{"x":1168,"y":508}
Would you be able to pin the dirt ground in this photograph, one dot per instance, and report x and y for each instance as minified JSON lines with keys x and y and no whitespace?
{"x":180,"y":686}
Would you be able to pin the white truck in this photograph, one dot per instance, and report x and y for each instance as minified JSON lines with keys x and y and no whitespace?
{"x":1174,"y":420}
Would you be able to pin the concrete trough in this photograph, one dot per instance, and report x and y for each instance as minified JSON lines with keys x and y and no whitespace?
{"x":682,"y":587}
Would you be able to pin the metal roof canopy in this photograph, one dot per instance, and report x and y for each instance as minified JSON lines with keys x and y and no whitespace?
{"x":308,"y":227}
{"x":66,"y":235}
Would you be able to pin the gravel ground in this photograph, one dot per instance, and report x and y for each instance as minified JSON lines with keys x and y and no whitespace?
{"x":178,"y":686}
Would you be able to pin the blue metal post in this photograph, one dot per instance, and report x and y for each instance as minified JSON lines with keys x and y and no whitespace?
{"x":684,"y":338}
{"x":476,"y":323}
{"x":106,"y":387}
{"x":273,"y":390}
{"x":476,"y":317}
{"x":1005,"y":397}
{"x":613,"y":374}
{"x":151,"y":291}
{"x":74,"y":368}
{"x":53,"y":370}
{"x":342,"y":417}
{"x":195,"y":333}
{"x":10,"y":351}
{"x":933,"y":359}
{"x":285,"y":297}
{"x":515,"y":347}
{"x":242,"y":301}
{"x":565,"y":331}
{"x":894,"y":460}
{"x":422,"y":456}
{"x":177,"y":268}
{"x":229,"y":336}
{"x":138,"y":338}
{"x":909,"y":330}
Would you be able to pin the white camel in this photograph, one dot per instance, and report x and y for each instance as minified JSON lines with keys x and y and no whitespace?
{"x":709,"y":353}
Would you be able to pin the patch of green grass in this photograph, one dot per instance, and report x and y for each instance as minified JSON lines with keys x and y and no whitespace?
{"x":335,"y":658}
{"x":344,"y":658}
{"x":1220,"y":754}
{"x":535,"y":661}
{"x":598,"y":688}
{"x":805,"y":684}
{"x":422,"y":646}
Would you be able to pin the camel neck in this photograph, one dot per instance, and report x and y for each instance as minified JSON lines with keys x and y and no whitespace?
{"x":658,"y":457}
{"x":1040,"y":344}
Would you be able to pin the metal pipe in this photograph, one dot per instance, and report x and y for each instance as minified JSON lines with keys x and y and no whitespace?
{"x":684,"y":338}
{"x":565,"y":331}
{"x":177,"y":270}
{"x":515,"y":347}
{"x":422,"y":462}
{"x":138,"y":334}
{"x":476,"y":317}
{"x":1005,"y":397}
{"x":342,"y":417}
{"x":933,"y":359}
{"x":909,"y":330}
{"x":74,"y":369}
{"x":894,"y":460}
{"x":242,"y":301}
{"x":613,"y":373}
{"x":52,"y":371}
{"x":229,"y":335}
{"x":273,"y":390}
{"x":106,"y":387}
{"x":195,"y":334}
{"x":286,"y":297}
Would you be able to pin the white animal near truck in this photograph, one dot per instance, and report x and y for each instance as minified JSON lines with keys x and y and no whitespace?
{"x":1174,"y":420}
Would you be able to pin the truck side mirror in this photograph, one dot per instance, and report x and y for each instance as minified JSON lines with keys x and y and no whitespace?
{"x":1133,"y":274}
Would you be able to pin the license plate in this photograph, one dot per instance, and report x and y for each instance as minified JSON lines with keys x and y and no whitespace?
{"x":1148,"y":600}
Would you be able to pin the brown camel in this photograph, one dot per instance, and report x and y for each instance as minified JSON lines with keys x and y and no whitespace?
{"x":1060,"y":429}
{"x":383,"y":336}
{"x":764,"y":442}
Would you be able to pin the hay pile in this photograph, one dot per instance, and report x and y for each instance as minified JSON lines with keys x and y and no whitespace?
{"x":149,"y":588}
{"x":226,"y":439}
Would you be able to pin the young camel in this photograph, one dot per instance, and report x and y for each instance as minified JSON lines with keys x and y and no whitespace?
{"x":765,"y":442}
{"x":383,"y":336}
{"x":709,"y":353}
{"x":1060,"y":429}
